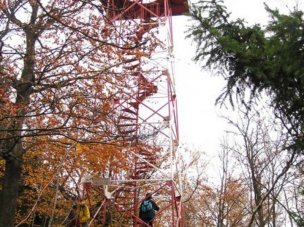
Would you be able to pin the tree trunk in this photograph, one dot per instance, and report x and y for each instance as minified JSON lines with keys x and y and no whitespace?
{"x":9,"y":193}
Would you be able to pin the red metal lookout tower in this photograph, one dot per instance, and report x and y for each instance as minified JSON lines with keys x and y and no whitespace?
{"x":145,"y":112}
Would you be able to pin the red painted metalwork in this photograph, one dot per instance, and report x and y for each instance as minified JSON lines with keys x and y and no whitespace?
{"x":132,"y":9}
{"x":145,"y":114}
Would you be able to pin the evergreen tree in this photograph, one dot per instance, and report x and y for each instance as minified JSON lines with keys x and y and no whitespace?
{"x":263,"y":60}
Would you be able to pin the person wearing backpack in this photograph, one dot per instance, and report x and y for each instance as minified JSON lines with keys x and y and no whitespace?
{"x":83,"y":214}
{"x":147,"y":210}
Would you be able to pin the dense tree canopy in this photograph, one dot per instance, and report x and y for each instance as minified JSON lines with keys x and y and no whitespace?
{"x":60,"y":73}
{"x":253,"y":58}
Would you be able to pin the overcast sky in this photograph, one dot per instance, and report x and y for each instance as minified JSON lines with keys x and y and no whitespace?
{"x":200,"y":121}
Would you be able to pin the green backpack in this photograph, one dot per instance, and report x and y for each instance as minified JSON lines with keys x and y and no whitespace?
{"x":146,"y":206}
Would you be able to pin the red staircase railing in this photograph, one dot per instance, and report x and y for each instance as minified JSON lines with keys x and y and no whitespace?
{"x":141,"y":122}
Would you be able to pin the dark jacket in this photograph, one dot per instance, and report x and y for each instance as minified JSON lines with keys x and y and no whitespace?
{"x":149,"y":214}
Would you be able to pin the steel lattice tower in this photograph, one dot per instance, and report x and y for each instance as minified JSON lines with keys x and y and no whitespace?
{"x":145,"y":113}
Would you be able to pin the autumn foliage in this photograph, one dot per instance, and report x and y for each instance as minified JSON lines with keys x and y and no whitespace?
{"x":61,"y":71}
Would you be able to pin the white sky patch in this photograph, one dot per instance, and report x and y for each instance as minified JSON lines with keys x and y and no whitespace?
{"x":197,"y":90}
{"x":253,"y":11}
{"x":200,"y":123}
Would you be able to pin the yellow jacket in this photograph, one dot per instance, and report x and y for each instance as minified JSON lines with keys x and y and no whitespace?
{"x":83,"y":213}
